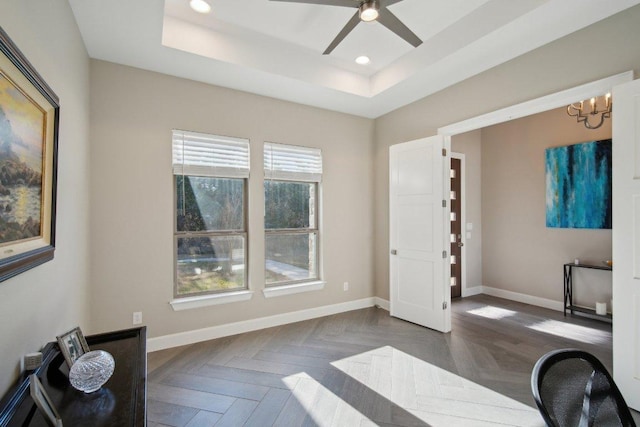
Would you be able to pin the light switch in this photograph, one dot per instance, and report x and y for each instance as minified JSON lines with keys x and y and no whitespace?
{"x":469,"y":226}
{"x":468,"y":235}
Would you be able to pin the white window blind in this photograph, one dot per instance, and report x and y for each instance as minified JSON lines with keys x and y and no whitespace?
{"x":201,"y":154}
{"x":292,"y":163}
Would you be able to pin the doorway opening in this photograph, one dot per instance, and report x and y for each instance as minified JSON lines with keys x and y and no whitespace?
{"x":529,"y":108}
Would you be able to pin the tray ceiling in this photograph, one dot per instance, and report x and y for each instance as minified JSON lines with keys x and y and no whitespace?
{"x":275,"y":48}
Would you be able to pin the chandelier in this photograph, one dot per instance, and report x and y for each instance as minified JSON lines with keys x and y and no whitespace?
{"x":598,"y":109}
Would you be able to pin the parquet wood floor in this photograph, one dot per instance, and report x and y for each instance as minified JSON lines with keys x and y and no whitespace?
{"x":365,"y":368}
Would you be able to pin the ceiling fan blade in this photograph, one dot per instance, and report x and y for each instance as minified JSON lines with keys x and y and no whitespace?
{"x":392,"y":22}
{"x":387,"y":3}
{"x":343,"y":33}
{"x":343,"y":3}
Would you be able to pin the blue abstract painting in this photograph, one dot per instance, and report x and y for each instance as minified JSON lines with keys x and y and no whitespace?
{"x":579,"y":185}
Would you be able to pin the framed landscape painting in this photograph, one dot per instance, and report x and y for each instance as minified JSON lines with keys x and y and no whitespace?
{"x":578,"y":183}
{"x":29,"y":114}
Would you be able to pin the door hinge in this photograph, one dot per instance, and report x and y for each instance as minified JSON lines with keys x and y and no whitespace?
{"x":444,"y":203}
{"x":444,"y":254}
{"x":444,"y":305}
{"x":444,"y":152}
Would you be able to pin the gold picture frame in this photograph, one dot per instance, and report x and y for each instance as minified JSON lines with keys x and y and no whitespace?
{"x":29,"y":118}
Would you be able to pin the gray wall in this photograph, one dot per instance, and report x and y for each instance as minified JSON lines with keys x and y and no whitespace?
{"x":601,"y":50}
{"x":132,"y":114}
{"x":519,"y":253}
{"x":52,"y":298}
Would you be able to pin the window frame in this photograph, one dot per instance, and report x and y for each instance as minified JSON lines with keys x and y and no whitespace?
{"x":298,"y":231}
{"x":243,"y":233}
{"x":312,"y":175}
{"x":177,"y":235}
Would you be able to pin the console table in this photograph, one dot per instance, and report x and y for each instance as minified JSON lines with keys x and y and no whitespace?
{"x":120,"y":402}
{"x":568,"y":290}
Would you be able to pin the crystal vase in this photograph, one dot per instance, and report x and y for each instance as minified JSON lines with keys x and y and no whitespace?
{"x":91,"y":371}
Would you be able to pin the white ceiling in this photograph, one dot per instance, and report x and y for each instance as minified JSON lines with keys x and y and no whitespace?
{"x":274,"y":48}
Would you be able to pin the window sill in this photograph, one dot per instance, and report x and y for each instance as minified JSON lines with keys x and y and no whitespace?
{"x":188,"y":303}
{"x":279,"y":291}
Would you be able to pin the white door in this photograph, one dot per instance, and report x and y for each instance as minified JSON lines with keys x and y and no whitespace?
{"x":419,"y":225}
{"x":626,"y":241}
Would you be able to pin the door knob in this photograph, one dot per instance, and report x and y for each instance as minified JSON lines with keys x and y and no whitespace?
{"x":394,"y":252}
{"x":460,"y":244}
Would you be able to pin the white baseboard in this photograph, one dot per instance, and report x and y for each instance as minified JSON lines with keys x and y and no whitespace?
{"x":524,"y":298}
{"x":474,"y":290}
{"x":205,"y":334}
{"x":500,"y":293}
{"x":382,"y":303}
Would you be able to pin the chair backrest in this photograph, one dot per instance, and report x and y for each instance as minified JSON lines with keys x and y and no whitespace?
{"x":572,"y":388}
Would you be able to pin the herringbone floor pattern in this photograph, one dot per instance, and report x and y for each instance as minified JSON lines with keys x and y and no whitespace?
{"x":365,"y":368}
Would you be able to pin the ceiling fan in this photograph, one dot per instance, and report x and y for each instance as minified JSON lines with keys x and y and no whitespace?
{"x":368,"y":10}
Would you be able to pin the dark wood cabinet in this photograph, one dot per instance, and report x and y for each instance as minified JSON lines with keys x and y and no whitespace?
{"x":120,"y":402}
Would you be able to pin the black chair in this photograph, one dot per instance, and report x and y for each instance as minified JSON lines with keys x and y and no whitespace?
{"x":572,"y":388}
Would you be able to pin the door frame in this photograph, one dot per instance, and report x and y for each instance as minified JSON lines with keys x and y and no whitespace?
{"x":463,"y":222}
{"x":626,"y":194}
{"x":535,"y":106}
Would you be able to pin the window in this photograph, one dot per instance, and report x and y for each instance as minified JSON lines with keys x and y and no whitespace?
{"x":291,"y":193}
{"x":210,"y":179}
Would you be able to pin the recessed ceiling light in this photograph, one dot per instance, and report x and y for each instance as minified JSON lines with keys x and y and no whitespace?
{"x":363,"y":60}
{"x":200,"y":6}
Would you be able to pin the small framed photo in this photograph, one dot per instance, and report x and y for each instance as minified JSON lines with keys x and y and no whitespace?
{"x":73,"y":345}
{"x":43,"y":402}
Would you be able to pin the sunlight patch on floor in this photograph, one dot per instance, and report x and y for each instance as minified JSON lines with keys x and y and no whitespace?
{"x":574,"y":332}
{"x":491,"y":312}
{"x":579,"y":333}
{"x":433,"y":395}
{"x":323,"y":406}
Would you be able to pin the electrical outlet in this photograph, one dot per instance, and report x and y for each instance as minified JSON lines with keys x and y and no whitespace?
{"x":31,"y":361}
{"x":137,"y":317}
{"x":346,"y":286}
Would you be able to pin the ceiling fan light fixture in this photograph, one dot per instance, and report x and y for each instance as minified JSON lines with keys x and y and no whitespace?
{"x":200,"y":6}
{"x":369,"y":10}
